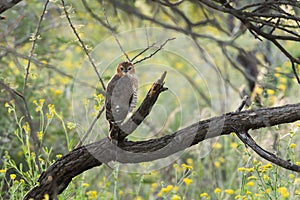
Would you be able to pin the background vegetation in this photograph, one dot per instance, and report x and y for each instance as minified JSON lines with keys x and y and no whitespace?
{"x":61,"y":113}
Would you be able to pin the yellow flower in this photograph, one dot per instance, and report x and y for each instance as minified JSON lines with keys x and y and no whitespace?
{"x":218,"y":190}
{"x":241,"y":169}
{"x":291,"y":176}
{"x":121,"y":192}
{"x":251,"y":169}
{"x":71,"y":125}
{"x":233,"y":145}
{"x":250,"y":183}
{"x":259,"y":90}
{"x":12,"y":176}
{"x":42,"y":160}
{"x":297,"y":192}
{"x":268,"y":190}
{"x":258,"y":195}
{"x":297,"y":163}
{"x":187,"y":181}
{"x":248,"y":192}
{"x":52,"y":111}
{"x":99,"y":98}
{"x":2,"y":170}
{"x":179,"y":65}
{"x":138,"y":198}
{"x":6,"y":105}
{"x":160,"y":194}
{"x":222,"y":160}
{"x":282,"y":87}
{"x":58,"y":155}
{"x":298,"y":125}
{"x":176,"y":188}
{"x":277,"y":75}
{"x":85,"y":185}
{"x":175,"y":197}
{"x":167,"y":189}
{"x":42,"y":101}
{"x":229,"y":191}
{"x":204,"y":194}
{"x":251,"y":178}
{"x":92,"y":194}
{"x":270,"y":92}
{"x":217,"y":164}
{"x":292,"y":146}
{"x":267,"y":166}
{"x":26,"y":127}
{"x":282,"y":80}
{"x":40,"y":135}
{"x":46,"y":197}
{"x":266,"y":177}
{"x":283,"y":192}
{"x":57,"y":92}
{"x":154,"y":185}
{"x":189,"y":167}
{"x":217,"y":145}
{"x":189,"y":161}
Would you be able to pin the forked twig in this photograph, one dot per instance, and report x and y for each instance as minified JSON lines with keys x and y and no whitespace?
{"x":152,"y":54}
{"x":112,"y":32}
{"x":90,"y":128}
{"x":35,"y":37}
{"x":82,"y":44}
{"x":146,"y":49}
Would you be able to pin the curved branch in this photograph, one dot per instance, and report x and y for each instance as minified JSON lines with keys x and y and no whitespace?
{"x":248,"y":140}
{"x":59,"y":175}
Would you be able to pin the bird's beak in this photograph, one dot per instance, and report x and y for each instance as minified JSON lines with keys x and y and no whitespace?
{"x":125,"y":70}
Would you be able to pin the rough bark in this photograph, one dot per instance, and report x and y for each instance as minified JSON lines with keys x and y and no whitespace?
{"x":6,"y":4}
{"x":57,"y":177}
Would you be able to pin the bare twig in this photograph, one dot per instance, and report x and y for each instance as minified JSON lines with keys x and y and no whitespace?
{"x":243,"y":103}
{"x":146,"y":49}
{"x":83,"y":45}
{"x":21,"y":95}
{"x":90,"y":128}
{"x":95,"y":16}
{"x":35,"y":38}
{"x":246,"y":17}
{"x":112,"y":31}
{"x":157,"y":50}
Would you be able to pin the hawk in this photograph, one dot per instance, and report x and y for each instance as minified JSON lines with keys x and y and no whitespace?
{"x":121,"y":94}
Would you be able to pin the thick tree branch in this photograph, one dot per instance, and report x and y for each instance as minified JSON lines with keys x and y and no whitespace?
{"x":58,"y":176}
{"x":6,"y":4}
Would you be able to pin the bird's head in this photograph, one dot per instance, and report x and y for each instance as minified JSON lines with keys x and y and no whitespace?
{"x":125,"y":68}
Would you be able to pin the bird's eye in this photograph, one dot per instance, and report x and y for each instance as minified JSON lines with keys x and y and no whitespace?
{"x":129,"y":68}
{"x":122,"y":68}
